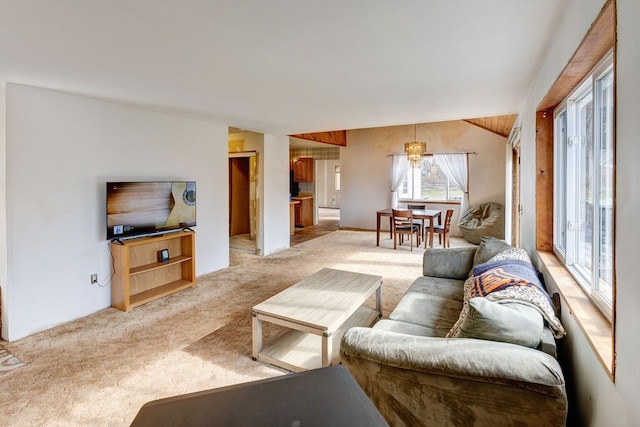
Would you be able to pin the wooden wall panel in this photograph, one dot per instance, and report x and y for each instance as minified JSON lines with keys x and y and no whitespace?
{"x":599,"y":40}
{"x":336,"y":137}
{"x":500,"y":125}
{"x":544,"y":180}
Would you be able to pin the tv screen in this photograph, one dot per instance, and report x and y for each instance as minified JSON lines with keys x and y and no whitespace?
{"x":136,"y":208}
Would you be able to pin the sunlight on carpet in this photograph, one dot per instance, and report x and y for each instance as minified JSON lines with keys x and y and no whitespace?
{"x":8,"y":362}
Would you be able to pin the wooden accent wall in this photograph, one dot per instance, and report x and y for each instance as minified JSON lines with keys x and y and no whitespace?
{"x":336,"y":137}
{"x":544,"y":180}
{"x":500,"y":125}
{"x":599,"y":40}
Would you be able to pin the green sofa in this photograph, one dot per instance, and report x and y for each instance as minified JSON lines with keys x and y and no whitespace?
{"x":499,"y":369}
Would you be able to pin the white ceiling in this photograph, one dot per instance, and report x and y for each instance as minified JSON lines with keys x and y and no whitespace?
{"x":284,"y":66}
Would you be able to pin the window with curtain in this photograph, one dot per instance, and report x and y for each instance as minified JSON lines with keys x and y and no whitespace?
{"x":584,"y":184}
{"x":428,"y":182}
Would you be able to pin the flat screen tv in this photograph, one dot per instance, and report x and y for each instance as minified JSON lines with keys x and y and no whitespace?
{"x":139,"y":208}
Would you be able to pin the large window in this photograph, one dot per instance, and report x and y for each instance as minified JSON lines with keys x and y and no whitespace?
{"x":428,"y":182}
{"x":584,"y":184}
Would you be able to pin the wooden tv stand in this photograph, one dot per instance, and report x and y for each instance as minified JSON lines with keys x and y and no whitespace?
{"x":140,"y":278}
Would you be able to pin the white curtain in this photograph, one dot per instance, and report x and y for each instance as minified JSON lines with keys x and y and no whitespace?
{"x":399,"y":169}
{"x":454,"y":166}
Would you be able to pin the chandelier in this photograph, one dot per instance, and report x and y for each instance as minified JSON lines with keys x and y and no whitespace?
{"x":415,"y":150}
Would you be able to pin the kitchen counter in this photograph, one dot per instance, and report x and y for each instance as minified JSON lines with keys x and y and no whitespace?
{"x":304,"y":210}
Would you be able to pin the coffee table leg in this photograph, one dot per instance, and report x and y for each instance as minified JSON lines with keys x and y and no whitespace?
{"x":327,"y":349}
{"x":379,"y":300}
{"x":256,"y":331}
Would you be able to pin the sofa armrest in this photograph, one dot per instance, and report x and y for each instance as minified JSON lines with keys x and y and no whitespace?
{"x":451,"y":263}
{"x":461,"y":358}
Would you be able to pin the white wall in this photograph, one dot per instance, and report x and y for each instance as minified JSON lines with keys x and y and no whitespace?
{"x":628,"y":206}
{"x":366,"y":167}
{"x":272,"y":192}
{"x":276,"y":194}
{"x":596,"y":399}
{"x":60,"y":151}
{"x":3,"y":204}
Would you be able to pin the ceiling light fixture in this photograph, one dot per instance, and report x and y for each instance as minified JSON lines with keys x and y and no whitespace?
{"x":415,"y":150}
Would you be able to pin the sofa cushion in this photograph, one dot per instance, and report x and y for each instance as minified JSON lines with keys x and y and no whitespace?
{"x":437,"y":286}
{"x":511,"y":253}
{"x":548,"y":342}
{"x":467,"y":286}
{"x":409,"y":328}
{"x":450,"y":263}
{"x":509,"y":322}
{"x":430,"y":311}
{"x":488,"y":248}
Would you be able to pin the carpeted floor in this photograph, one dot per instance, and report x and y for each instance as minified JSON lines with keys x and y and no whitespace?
{"x":8,"y":362}
{"x":328,"y":221}
{"x":99,"y":370}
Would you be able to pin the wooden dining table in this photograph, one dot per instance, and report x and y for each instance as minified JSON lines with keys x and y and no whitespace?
{"x":428,"y":214}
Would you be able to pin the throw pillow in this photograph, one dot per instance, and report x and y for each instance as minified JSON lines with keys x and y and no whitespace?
{"x":511,"y":253}
{"x":489,"y":247}
{"x":510,"y":322}
{"x":539,"y":299}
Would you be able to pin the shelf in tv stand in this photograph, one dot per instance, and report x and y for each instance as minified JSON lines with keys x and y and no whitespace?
{"x":157,"y":265}
{"x":159,"y":292}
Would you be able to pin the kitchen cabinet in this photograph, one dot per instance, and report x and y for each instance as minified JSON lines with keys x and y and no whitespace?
{"x":303,"y":169}
{"x":292,"y":216}
{"x":303,"y":211}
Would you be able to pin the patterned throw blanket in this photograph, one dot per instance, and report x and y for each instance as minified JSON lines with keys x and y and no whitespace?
{"x":515,"y":280}
{"x":499,"y":275}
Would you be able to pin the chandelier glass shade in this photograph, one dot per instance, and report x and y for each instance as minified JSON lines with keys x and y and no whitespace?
{"x":415,"y":150}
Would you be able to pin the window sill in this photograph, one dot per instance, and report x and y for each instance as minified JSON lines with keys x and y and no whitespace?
{"x":595,"y":326}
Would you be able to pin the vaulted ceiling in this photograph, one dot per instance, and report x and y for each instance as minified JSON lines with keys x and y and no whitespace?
{"x":500,"y":125}
{"x":280,"y":66}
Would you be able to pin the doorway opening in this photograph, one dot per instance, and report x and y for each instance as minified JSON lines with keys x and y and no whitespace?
{"x":328,"y":190}
{"x":242,"y":201}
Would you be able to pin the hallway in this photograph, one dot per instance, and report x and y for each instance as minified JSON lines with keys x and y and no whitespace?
{"x":328,"y":221}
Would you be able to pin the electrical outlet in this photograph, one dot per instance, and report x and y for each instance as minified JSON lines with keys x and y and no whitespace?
{"x":94,"y":279}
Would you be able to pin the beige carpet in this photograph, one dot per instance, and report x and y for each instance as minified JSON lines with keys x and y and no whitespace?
{"x":8,"y":362}
{"x":99,"y":370}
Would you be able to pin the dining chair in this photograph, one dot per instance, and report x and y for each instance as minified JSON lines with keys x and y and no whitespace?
{"x":418,"y":221}
{"x":403,"y":224}
{"x":442,"y":230}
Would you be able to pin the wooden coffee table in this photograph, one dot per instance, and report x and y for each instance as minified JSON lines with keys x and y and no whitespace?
{"x":316,"y":312}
